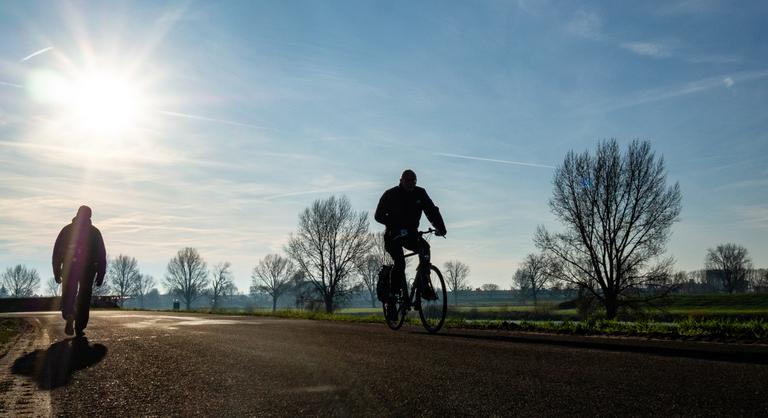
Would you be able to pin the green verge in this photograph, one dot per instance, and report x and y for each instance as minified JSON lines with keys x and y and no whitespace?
{"x":728,"y":330}
{"x":688,"y":329}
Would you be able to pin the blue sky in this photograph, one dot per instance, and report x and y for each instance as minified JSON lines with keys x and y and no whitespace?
{"x":243,"y":113}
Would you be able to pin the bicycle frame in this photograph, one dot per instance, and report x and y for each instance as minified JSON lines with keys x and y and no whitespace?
{"x":412,"y":297}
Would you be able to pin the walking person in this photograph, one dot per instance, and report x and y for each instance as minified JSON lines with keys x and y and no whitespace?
{"x":79,"y":257}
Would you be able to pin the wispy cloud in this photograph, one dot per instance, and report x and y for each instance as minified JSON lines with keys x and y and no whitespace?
{"x":36,"y":53}
{"x":754,"y":215}
{"x":4,"y":83}
{"x":589,"y":25}
{"x":649,"y":49}
{"x":698,"y":86}
{"x":493,"y":160}
{"x":207,"y":119}
{"x":744,"y":184}
{"x":585,"y":24}
{"x":698,"y":58}
{"x":687,"y":7}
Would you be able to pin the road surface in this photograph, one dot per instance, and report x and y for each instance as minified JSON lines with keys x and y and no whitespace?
{"x":161,"y":364}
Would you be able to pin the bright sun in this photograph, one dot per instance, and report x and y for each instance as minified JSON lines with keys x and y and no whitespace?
{"x":100,"y":102}
{"x":105,"y":103}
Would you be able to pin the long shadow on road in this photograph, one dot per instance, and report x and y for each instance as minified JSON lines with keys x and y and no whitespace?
{"x":53,"y":367}
{"x":715,"y":351}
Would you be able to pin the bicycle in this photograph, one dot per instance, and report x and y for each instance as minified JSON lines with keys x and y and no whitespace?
{"x":432,"y":310}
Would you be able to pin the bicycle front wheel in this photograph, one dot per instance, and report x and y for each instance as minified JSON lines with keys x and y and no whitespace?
{"x":433,"y":306}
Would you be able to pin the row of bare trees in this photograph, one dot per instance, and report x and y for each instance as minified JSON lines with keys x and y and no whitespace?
{"x":19,"y":281}
{"x":331,"y":248}
{"x":187,"y":277}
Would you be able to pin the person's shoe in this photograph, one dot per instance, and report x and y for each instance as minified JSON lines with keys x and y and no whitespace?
{"x":68,"y":329}
{"x":427,"y":291}
{"x":79,"y":333}
{"x":391,"y":311}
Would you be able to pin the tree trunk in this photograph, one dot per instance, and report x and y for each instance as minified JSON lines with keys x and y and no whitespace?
{"x":611,"y":306}
{"x":187,"y":302}
{"x":274,"y":304}
{"x":328,"y":303}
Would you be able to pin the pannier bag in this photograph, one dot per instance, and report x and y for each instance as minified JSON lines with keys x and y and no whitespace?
{"x":383,"y":288}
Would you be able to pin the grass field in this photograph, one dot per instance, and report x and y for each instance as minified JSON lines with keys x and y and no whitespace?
{"x":723,"y":330}
{"x":720,"y":304}
{"x":715,"y":306}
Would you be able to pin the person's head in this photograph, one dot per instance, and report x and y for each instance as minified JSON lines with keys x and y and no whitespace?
{"x":408,"y":180}
{"x":83,"y":213}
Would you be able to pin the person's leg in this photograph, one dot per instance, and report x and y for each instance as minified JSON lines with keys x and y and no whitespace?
{"x":424,"y":254}
{"x":395,"y":250}
{"x":421,"y":246}
{"x":84,"y":303}
{"x":68,"y":296}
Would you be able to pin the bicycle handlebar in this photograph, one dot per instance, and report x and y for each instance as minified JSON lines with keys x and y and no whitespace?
{"x":428,"y":231}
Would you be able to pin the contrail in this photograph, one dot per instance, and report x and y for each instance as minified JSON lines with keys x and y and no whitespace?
{"x":659,"y":94}
{"x":18,"y":86}
{"x":203,"y":118}
{"x":345,"y":187}
{"x":34,"y":54}
{"x":493,"y":160}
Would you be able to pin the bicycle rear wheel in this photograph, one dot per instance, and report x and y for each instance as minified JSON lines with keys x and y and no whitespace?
{"x":397,"y":322}
{"x":433,"y":310}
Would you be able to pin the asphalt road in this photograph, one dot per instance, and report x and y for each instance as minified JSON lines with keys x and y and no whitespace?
{"x":149,"y":364}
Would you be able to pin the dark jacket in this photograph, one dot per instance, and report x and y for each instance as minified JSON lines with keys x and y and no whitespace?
{"x":399,"y":209}
{"x":79,"y":252}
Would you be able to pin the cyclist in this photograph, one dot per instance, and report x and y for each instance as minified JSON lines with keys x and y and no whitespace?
{"x":399,"y":210}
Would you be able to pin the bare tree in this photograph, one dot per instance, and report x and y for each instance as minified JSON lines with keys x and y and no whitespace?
{"x":273,"y":276}
{"x":680,"y":282}
{"x":760,"y":284}
{"x":20,"y":281}
{"x":124,"y":275}
{"x":618,"y":212}
{"x":730,"y":262}
{"x":187,"y":275}
{"x":369,"y":269}
{"x":369,"y":266}
{"x":52,"y":288}
{"x":104,"y":290}
{"x":532,"y":275}
{"x":222,"y":283}
{"x":520,"y":281}
{"x":3,"y":291}
{"x":491,"y":288}
{"x":144,"y":285}
{"x":329,"y":243}
{"x":456,"y":274}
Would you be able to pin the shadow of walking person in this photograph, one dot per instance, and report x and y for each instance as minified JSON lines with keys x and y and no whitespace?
{"x":53,"y":367}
